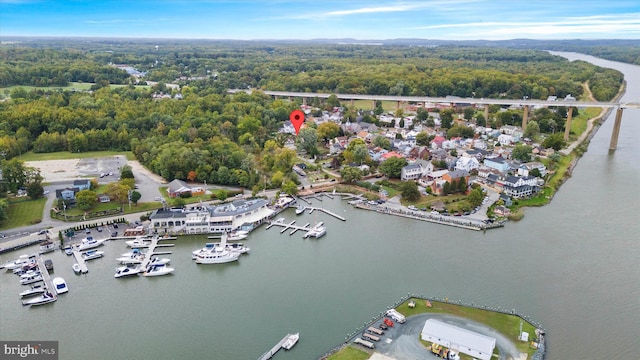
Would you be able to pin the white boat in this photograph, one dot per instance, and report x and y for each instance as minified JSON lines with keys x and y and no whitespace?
{"x":47,"y":247}
{"x":45,"y":298}
{"x":217,"y":256}
{"x":318,"y":231}
{"x":59,"y":285}
{"x":19,"y":262}
{"x":92,"y":254}
{"x":133,"y":257}
{"x":127,"y":271}
{"x":89,"y":243}
{"x":238,"y":247}
{"x":76,"y":268}
{"x":300,"y":209}
{"x":138,"y":243}
{"x":68,"y":250}
{"x":292,"y":339}
{"x":33,"y":290}
{"x":158,"y":270}
{"x":159,"y":261}
{"x":34,"y":278}
{"x":207,"y":247}
{"x":237,"y":235}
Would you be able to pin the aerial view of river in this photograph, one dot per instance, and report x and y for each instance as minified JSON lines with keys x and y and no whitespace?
{"x":571,"y":265}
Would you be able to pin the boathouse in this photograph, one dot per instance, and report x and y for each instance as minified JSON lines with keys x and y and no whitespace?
{"x":455,"y":338}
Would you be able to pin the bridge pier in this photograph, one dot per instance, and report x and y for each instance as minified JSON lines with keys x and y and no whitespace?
{"x":486,"y":113}
{"x":567,"y":127}
{"x":304,"y":101}
{"x":352,"y":102}
{"x":616,"y":130}
{"x":373,"y":104}
{"x":398,"y":103}
{"x":525,"y":117}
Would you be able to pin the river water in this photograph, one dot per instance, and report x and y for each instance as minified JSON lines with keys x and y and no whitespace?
{"x":571,"y":265}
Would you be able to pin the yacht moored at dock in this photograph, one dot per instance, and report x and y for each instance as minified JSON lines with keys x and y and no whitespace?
{"x":45,"y":298}
{"x":89,"y":243}
{"x":34,"y":290}
{"x":92,"y":254}
{"x":158,"y":270}
{"x":127,"y":271}
{"x":318,"y":231}
{"x":59,"y":285}
{"x":292,"y":339}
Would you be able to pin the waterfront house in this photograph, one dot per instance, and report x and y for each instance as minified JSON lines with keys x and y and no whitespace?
{"x":416,"y":170}
{"x":524,"y":169}
{"x":467,"y":163}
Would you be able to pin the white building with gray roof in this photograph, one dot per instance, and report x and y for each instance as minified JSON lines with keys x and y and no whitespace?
{"x":459,"y":339}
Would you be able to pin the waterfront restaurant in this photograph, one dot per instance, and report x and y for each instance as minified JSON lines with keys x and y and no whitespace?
{"x":461,"y":340}
{"x":204,"y":219}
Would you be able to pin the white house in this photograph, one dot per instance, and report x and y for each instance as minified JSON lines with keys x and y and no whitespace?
{"x":505,"y":139}
{"x":467,"y":163}
{"x":416,"y":170}
{"x":497,"y":163}
{"x":524,"y":169}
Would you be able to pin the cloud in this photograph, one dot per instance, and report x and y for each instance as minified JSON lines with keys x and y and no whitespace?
{"x":603,"y":25}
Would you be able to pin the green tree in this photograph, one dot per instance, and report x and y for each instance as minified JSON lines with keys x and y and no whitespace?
{"x":382,"y":141}
{"x":135,"y":197}
{"x":535,"y":172}
{"x":350,"y":174}
{"x":392,"y":167}
{"x":86,"y":199}
{"x":332,"y":101}
{"x":178,"y":202}
{"x":409,"y":190}
{"x":475,"y":197}
{"x":360,"y":153}
{"x":522,"y":153}
{"x":4,"y":205}
{"x":307,"y":140}
{"x":126,"y":172}
{"x":328,"y":130}
{"x":446,"y":118}
{"x":277,"y":178}
{"x":35,"y":190}
{"x":13,"y":174}
{"x":468,"y":112}
{"x":554,"y":141}
{"x":532,"y":130}
{"x":423,"y":138}
{"x":290,"y":188}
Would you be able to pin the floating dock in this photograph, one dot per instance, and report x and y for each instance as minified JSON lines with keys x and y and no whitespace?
{"x":269,"y":354}
{"x":290,"y":226}
{"x":83,"y":265}
{"x":46,"y":278}
{"x":152,"y":247}
{"x":311,"y":209}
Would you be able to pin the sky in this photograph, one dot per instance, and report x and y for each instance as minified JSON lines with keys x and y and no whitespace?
{"x":322,"y":19}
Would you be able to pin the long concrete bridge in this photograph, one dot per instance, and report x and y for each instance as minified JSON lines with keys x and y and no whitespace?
{"x":526,"y":104}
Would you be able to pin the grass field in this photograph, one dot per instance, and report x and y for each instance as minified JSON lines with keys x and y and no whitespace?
{"x":349,"y":353}
{"x":76,"y":86}
{"x":508,"y":325}
{"x":579,"y":123}
{"x":65,"y":155}
{"x":23,"y":212}
{"x":387,"y":105}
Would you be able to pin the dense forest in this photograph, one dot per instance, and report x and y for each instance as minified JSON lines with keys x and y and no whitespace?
{"x":207,"y":134}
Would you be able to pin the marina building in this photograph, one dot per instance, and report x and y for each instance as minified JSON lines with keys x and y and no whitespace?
{"x":455,"y":338}
{"x":204,"y":219}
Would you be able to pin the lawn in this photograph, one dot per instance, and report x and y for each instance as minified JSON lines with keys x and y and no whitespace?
{"x":23,"y":212}
{"x":387,"y":105}
{"x":65,"y":155}
{"x":579,"y":123}
{"x":72,"y":86}
{"x":508,"y":325}
{"x":349,"y":353}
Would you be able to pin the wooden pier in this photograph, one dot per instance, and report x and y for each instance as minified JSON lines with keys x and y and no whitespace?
{"x":269,"y":354}
{"x":152,"y":247}
{"x":311,"y":209}
{"x":83,"y":265}
{"x":290,"y":226}
{"x":46,"y":278}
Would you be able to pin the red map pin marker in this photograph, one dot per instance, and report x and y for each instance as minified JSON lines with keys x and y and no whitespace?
{"x":297,"y":118}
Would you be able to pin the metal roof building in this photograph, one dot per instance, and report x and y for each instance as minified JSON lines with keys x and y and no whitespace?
{"x":462,"y":340}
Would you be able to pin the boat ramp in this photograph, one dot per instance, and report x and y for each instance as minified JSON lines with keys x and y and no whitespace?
{"x":269,"y":354}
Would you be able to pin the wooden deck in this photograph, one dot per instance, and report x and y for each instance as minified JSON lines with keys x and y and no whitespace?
{"x":46,"y":278}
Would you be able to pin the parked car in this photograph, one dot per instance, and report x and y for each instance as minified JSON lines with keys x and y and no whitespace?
{"x":88,"y":231}
{"x":114,"y":234}
{"x":115,"y":226}
{"x":99,"y":229}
